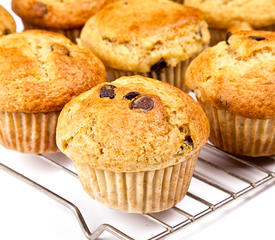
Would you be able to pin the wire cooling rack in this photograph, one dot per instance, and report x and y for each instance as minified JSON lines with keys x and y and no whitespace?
{"x":216,"y":171}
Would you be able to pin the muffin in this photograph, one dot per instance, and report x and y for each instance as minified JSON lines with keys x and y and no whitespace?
{"x":234,"y":82}
{"x":67,"y":17}
{"x":134,"y":142}
{"x":7,"y":23}
{"x":40,"y":71}
{"x":221,"y":15}
{"x":155,"y":38}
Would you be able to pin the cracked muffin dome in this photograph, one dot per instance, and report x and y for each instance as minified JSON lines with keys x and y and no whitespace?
{"x":238,"y":74}
{"x":40,"y":71}
{"x":134,"y":35}
{"x":7,"y":23}
{"x":223,"y":14}
{"x":65,"y":14}
{"x":132,"y":124}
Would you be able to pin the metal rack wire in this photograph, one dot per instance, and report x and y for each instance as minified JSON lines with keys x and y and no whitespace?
{"x":187,"y":217}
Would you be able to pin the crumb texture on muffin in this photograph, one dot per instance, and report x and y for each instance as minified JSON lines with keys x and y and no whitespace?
{"x":63,"y":14}
{"x":132,"y":124}
{"x":133,"y":35}
{"x":41,"y":71}
{"x":226,"y":13}
{"x":7,"y":23}
{"x":238,"y":74}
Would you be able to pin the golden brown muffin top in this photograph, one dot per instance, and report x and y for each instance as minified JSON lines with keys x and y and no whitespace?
{"x":63,"y":14}
{"x":7,"y":23}
{"x":41,"y":71}
{"x":226,"y":13}
{"x":132,"y":124}
{"x":133,"y":35}
{"x":238,"y":75}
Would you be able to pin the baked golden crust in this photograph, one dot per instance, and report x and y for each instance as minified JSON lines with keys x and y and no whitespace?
{"x":7,"y":23}
{"x":223,"y":14}
{"x":133,"y":35}
{"x":238,"y":76}
{"x":64,"y":14}
{"x":108,"y":134}
{"x":40,"y":71}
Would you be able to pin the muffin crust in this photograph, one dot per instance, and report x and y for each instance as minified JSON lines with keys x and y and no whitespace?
{"x":132,"y":124}
{"x":223,"y":14}
{"x":141,"y":33}
{"x":63,"y":14}
{"x":7,"y":23}
{"x":41,"y":71}
{"x":238,"y":75}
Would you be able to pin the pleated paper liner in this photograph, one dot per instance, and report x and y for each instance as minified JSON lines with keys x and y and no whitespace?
{"x":139,"y":192}
{"x":72,"y":34}
{"x":217,"y":35}
{"x":239,"y":135}
{"x":27,"y":132}
{"x":173,"y":75}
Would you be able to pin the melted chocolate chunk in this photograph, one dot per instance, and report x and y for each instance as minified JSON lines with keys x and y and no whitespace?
{"x":189,"y":141}
{"x":107,"y":91}
{"x":257,"y":38}
{"x":228,"y":35}
{"x":6,"y":31}
{"x":39,"y":9}
{"x":60,"y":49}
{"x":157,"y":67}
{"x":131,"y":95}
{"x":145,"y":103}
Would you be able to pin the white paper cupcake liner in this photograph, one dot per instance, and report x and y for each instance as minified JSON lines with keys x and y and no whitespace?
{"x":27,"y":132}
{"x":173,"y":75}
{"x":239,"y":135}
{"x":72,"y":34}
{"x":138,"y":192}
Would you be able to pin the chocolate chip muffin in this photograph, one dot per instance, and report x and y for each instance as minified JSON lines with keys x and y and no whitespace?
{"x":223,"y":14}
{"x":234,"y":82}
{"x":39,"y":72}
{"x":66,"y":16}
{"x":7,"y":23}
{"x":155,"y":38}
{"x":134,"y":142}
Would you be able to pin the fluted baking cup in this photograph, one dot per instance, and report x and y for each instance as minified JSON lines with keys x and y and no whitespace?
{"x":72,"y":34}
{"x":240,"y":135}
{"x":173,"y":75}
{"x":28,"y":132}
{"x":138,"y":192}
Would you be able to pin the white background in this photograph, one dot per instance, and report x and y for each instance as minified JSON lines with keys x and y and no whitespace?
{"x":27,"y":214}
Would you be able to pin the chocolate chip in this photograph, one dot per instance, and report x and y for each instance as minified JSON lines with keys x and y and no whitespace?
{"x":144,"y":103}
{"x":257,"y":38}
{"x":200,"y":33}
{"x":157,"y":67}
{"x":6,"y":31}
{"x":107,"y":91}
{"x":227,"y":36}
{"x":189,"y":141}
{"x":58,"y":48}
{"x":39,"y":9}
{"x":131,"y":95}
